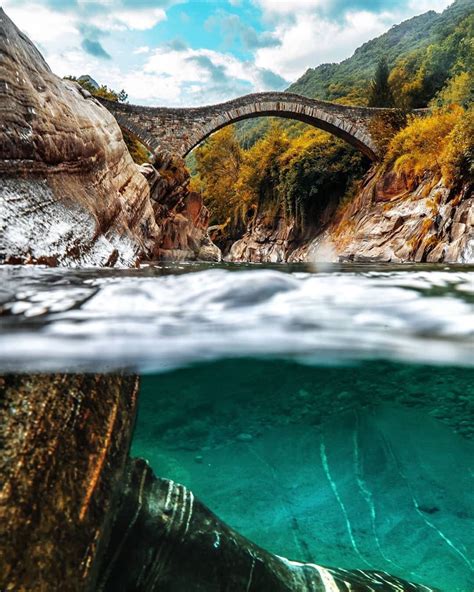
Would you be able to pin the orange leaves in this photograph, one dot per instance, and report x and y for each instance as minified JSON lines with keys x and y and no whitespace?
{"x":426,"y":143}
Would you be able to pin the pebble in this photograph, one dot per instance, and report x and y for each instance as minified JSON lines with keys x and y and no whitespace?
{"x":244,"y":437}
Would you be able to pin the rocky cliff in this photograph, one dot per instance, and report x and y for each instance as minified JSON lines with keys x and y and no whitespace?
{"x":69,"y":190}
{"x":70,"y":193}
{"x":392,"y":218}
{"x":180,"y":213}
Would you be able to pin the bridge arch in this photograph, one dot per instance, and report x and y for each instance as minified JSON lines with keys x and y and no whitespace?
{"x":179,"y":130}
{"x":317,"y":117}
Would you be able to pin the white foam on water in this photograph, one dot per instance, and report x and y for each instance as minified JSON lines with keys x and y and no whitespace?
{"x":146,"y":320}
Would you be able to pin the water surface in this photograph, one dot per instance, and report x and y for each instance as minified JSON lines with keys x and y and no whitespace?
{"x":163,"y":317}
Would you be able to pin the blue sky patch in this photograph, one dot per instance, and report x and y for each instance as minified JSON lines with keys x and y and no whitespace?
{"x":188,"y":52}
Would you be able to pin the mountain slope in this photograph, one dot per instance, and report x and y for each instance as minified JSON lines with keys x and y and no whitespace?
{"x":346,"y":79}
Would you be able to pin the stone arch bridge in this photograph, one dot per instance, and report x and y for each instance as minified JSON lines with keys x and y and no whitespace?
{"x":179,"y":130}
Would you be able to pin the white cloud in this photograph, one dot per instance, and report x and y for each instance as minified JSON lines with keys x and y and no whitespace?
{"x":44,"y":24}
{"x":309,"y":40}
{"x":420,"y":6}
{"x":193,"y":77}
{"x":40,"y":23}
{"x":278,"y":8}
{"x":141,"y":49}
{"x":138,"y":19}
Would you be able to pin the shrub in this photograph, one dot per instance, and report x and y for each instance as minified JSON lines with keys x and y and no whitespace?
{"x":426,"y":144}
{"x":459,"y":156}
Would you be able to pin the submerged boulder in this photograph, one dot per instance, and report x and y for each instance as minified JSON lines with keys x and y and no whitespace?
{"x":70,"y":192}
{"x":65,"y":441}
{"x":166,"y":540}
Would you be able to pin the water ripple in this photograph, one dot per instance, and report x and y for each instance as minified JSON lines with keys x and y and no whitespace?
{"x":156,"y":319}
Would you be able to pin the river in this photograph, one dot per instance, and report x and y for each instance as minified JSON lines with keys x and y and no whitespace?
{"x":325,"y":413}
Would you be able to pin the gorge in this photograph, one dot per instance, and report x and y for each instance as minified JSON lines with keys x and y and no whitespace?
{"x":392,"y":215}
{"x":306,"y":427}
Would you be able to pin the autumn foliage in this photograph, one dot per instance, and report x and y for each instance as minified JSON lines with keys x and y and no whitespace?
{"x":441,"y":144}
{"x":278,"y":176}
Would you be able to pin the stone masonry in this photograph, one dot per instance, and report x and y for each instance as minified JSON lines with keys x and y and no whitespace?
{"x":179,"y":130}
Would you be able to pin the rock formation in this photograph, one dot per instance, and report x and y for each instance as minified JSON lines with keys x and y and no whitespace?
{"x":392,"y":219}
{"x":181,"y":214}
{"x":268,"y":241}
{"x":65,"y":441}
{"x":69,"y":190}
{"x":165,"y":539}
{"x":70,"y":193}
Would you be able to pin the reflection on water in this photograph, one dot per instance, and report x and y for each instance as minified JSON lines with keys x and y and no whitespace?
{"x":366,"y":466}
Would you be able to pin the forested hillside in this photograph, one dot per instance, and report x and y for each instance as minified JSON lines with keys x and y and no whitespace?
{"x":288,"y":169}
{"x":408,"y":41}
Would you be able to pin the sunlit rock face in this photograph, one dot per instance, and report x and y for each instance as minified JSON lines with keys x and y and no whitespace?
{"x":181,"y":214}
{"x":69,"y":190}
{"x":393,"y":218}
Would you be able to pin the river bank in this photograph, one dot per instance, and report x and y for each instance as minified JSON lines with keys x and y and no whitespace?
{"x":392,"y":218}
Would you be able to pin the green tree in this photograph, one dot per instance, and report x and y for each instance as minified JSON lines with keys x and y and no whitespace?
{"x":102,"y":91}
{"x":380,"y":91}
{"x":316,"y":171}
{"x":459,"y":90}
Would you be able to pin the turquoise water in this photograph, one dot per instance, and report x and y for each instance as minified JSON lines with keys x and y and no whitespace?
{"x":366,"y":466}
{"x":325,"y":413}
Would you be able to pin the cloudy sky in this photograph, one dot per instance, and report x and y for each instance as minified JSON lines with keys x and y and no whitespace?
{"x":192,"y":52}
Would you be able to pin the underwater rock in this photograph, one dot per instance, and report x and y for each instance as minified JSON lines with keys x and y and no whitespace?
{"x":69,"y":190}
{"x":165,"y":539}
{"x":244,"y":437}
{"x":65,"y":441}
